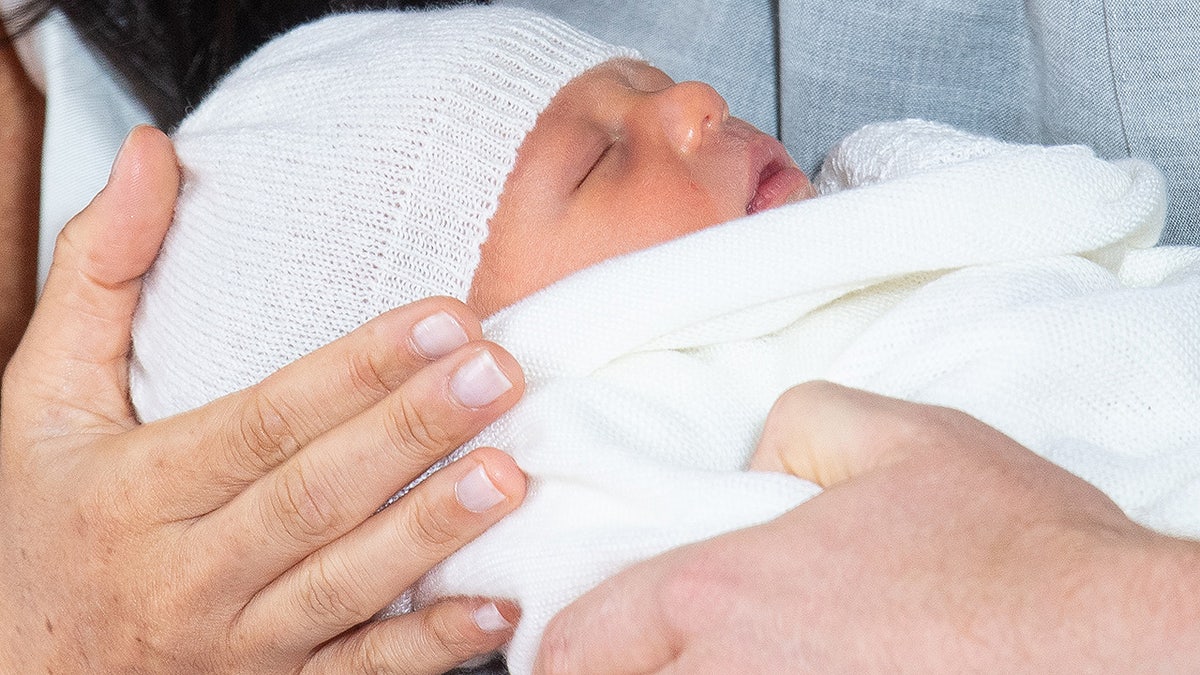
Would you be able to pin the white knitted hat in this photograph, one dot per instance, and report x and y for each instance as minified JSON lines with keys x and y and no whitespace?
{"x":348,"y":167}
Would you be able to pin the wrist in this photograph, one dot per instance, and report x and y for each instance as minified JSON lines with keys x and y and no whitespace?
{"x":1102,"y":599}
{"x":1142,"y":604}
{"x":1169,"y":592}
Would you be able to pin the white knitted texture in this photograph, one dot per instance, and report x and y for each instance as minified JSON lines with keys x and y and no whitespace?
{"x":1006,"y":281}
{"x":346,"y":168}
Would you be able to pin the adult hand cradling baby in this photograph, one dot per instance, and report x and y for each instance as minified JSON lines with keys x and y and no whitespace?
{"x":236,"y":537}
{"x":939,"y":545}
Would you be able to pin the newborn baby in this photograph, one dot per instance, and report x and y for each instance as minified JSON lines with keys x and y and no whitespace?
{"x":577,"y":195}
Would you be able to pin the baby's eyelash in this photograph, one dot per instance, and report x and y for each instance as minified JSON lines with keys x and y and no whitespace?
{"x":596,"y":163}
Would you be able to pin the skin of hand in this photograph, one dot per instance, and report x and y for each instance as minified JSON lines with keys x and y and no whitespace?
{"x":238,"y":537}
{"x":939,"y":545}
{"x":22,"y":115}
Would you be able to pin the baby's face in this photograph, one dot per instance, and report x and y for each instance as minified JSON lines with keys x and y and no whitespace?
{"x":624,"y":158}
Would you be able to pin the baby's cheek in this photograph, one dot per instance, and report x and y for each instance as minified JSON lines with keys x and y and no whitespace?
{"x":518,"y":261}
{"x":515,"y":267}
{"x":694,"y":206}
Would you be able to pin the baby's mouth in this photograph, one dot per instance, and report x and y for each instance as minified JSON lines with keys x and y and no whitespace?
{"x":779,"y":180}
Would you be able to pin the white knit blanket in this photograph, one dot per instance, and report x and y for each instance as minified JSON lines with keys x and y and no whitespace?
{"x":1011,"y":282}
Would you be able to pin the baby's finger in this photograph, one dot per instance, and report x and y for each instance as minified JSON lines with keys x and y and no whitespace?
{"x":432,"y":640}
{"x":343,"y":476}
{"x":351,"y":579}
{"x":238,"y":439}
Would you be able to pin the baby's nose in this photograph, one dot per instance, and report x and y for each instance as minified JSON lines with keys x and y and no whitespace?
{"x":690,"y":111}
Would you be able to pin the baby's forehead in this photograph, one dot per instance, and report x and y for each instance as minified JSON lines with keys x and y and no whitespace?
{"x":628,"y":71}
{"x":615,"y":74}
{"x":583,"y":101}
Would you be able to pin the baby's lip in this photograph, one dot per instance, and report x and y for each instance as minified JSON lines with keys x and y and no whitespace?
{"x":775,"y":179}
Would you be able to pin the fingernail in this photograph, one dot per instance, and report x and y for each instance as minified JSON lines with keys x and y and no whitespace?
{"x":437,"y":335}
{"x":489,"y":619}
{"x":120,"y":153}
{"x":479,"y":381}
{"x":476,"y":492}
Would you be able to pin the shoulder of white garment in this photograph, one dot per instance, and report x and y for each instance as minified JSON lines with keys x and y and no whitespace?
{"x":88,"y":114}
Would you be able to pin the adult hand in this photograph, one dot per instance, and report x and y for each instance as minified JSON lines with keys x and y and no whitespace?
{"x":939,"y":545}
{"x":22,"y":114}
{"x":238,"y":537}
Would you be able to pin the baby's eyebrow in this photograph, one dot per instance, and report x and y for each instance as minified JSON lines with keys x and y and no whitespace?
{"x":631,"y":71}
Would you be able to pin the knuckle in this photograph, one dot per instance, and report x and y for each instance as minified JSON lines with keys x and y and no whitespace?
{"x":71,"y":254}
{"x":808,"y":394}
{"x":430,"y":528}
{"x":949,"y":420}
{"x":254,"y":635}
{"x":66,"y":250}
{"x":450,"y":632}
{"x":305,"y":509}
{"x":410,"y":426}
{"x":788,"y":405}
{"x":809,"y":399}
{"x":793,"y":404}
{"x":700,"y":587}
{"x":370,"y":655}
{"x":263,"y":429}
{"x":695,"y":578}
{"x":367,"y":376}
{"x":801,"y":394}
{"x":380,"y":653}
{"x":329,"y":596}
{"x":916,"y":427}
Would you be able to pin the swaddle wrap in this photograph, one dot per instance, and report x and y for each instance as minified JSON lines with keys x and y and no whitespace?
{"x":1007,"y":281}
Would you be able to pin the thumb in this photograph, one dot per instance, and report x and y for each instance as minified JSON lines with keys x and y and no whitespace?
{"x":621,"y":626}
{"x":827,"y":433}
{"x":75,"y":353}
